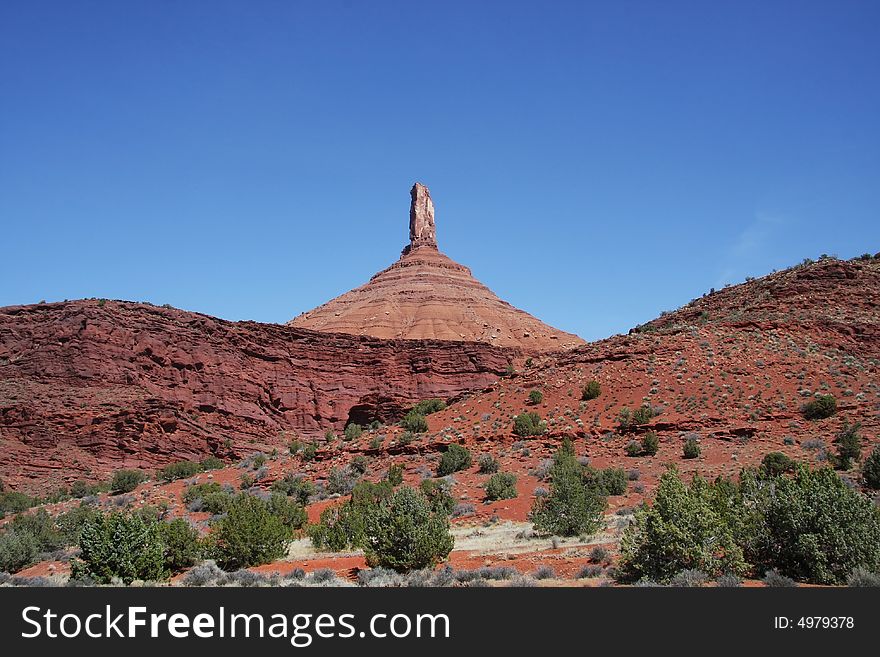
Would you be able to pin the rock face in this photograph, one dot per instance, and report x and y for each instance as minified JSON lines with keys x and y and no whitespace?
{"x":90,"y":386}
{"x":426,"y":295}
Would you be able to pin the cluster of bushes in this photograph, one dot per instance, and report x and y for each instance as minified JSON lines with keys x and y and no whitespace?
{"x":629,"y":418}
{"x":414,"y":421}
{"x":808,"y":526}
{"x":528,"y":424}
{"x":210,"y":497}
{"x":501,"y":486}
{"x":647,"y":446}
{"x":125,"y":481}
{"x":185,"y":469}
{"x":577,"y":500}
{"x":404,"y":529}
{"x":295,"y":486}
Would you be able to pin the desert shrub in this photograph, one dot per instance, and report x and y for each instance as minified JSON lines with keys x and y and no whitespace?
{"x":544,"y":572}
{"x":289,"y":511}
{"x":488,"y":464}
{"x":612,"y":481}
{"x":414,"y":422}
{"x":650,"y":443}
{"x":455,"y":458}
{"x":182,"y":547}
{"x":359,"y":464}
{"x":405,"y":533}
{"x":729,"y":580}
{"x":862,"y":577}
{"x":120,"y":546}
{"x":528,"y":424}
{"x":633,"y":448}
{"x":406,"y":438}
{"x":689,"y":578}
{"x":211,"y":463}
{"x":871,"y":469}
{"x":813,"y":527}
{"x":42,"y":527}
{"x":342,"y":526}
{"x":436,"y":491}
{"x":330,"y":436}
{"x":819,"y":408}
{"x":775,"y":579}
{"x":776,"y":463}
{"x":691,"y":449}
{"x":70,"y":524}
{"x":179,"y":470}
{"x":849,"y":445}
{"x":341,"y":481}
{"x":17,"y":550}
{"x":395,"y":474}
{"x":575,"y":504}
{"x":125,"y":481}
{"x":428,"y":406}
{"x":591,"y":391}
{"x":250,"y":534}
{"x":681,"y":530}
{"x":353,"y":431}
{"x":642,"y":415}
{"x":501,"y":486}
{"x":295,"y":486}
{"x":536,"y":397}
{"x":80,"y":489}
{"x":309,"y":451}
{"x":210,"y":497}
{"x":599,"y":554}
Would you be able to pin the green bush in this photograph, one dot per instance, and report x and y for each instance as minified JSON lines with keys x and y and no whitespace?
{"x":455,"y":458}
{"x":819,"y":408}
{"x":212,"y":463}
{"x":528,"y":424}
{"x":414,"y":422}
{"x":849,"y":445}
{"x":815,"y":528}
{"x":650,"y":443}
{"x":395,"y":474}
{"x":17,"y":550}
{"x":353,"y":431}
{"x":250,"y":534}
{"x":125,"y":481}
{"x":342,"y":526}
{"x":777,"y":463}
{"x":536,"y":397}
{"x":14,"y":502}
{"x":428,"y":406}
{"x":681,"y":530}
{"x":359,"y":464}
{"x":575,"y":505}
{"x":437,"y":492}
{"x":488,"y":464}
{"x":179,"y":470}
{"x":70,"y":524}
{"x":405,"y":533}
{"x":309,"y":452}
{"x":871,"y":469}
{"x":612,"y":481}
{"x":119,"y":545}
{"x":591,"y":391}
{"x":341,"y":481}
{"x":501,"y":486}
{"x":691,"y":449}
{"x":643,"y":414}
{"x":214,"y":499}
{"x":633,"y":448}
{"x":289,"y":511}
{"x":80,"y":489}
{"x":295,"y":486}
{"x":181,"y":544}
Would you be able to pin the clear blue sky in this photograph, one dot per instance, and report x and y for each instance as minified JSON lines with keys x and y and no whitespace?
{"x":594,"y":163}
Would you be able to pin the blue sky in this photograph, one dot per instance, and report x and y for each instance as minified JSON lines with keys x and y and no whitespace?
{"x":593,"y":163}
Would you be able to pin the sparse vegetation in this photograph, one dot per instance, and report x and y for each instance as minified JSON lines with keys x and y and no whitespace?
{"x":849,"y":445}
{"x":650,"y":443}
{"x":591,"y":391}
{"x":414,"y":422}
{"x":691,"y":449}
{"x":488,"y":464}
{"x":125,"y":481}
{"x":536,"y":397}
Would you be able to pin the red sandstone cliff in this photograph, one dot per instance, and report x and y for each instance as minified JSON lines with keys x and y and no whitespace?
{"x":89,"y":386}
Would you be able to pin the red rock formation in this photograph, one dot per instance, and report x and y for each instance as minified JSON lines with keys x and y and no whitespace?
{"x":425,"y":295}
{"x":93,"y":386}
